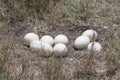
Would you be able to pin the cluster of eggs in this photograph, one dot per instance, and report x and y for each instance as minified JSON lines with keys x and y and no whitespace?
{"x":58,"y":45}
{"x":47,"y":43}
{"x":88,"y":39}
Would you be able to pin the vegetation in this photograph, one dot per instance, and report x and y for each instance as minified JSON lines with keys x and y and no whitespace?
{"x":18,"y":62}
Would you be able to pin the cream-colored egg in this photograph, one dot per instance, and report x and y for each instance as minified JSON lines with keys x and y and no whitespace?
{"x":94,"y":46}
{"x":60,"y":49}
{"x":92,"y":34}
{"x":47,"y":39}
{"x":61,"y":39}
{"x":35,"y":45}
{"x":29,"y":37}
{"x":81,"y":42}
{"x":43,"y":48}
{"x":47,"y":50}
{"x":46,"y":47}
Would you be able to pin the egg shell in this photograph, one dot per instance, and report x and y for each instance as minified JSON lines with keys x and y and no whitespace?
{"x":47,"y":39}
{"x":35,"y":45}
{"x":60,"y":49}
{"x":29,"y":37}
{"x":61,"y":39}
{"x":47,"y":50}
{"x":91,"y":34}
{"x":81,"y":42}
{"x":94,"y":46}
{"x":46,"y":47}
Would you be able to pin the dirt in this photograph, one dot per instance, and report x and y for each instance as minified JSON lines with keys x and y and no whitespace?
{"x":75,"y":58}
{"x":75,"y":65}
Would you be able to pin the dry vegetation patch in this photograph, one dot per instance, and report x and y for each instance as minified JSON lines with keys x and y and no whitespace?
{"x":70,"y":17}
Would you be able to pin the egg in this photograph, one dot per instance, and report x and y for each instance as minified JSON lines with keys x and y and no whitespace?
{"x":61,"y":39}
{"x":29,"y":37}
{"x":81,"y":42}
{"x":94,"y":46}
{"x":92,"y":34}
{"x":60,"y":49}
{"x":35,"y":45}
{"x":47,"y":50}
{"x":46,"y":47}
{"x":47,"y":39}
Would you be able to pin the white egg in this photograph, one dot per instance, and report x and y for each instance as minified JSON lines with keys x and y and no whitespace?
{"x":35,"y":45}
{"x":61,"y":39}
{"x":92,"y":34}
{"x":46,"y":47}
{"x":47,"y":39}
{"x":41,"y":46}
{"x":95,"y":46}
{"x":60,"y":49}
{"x":81,"y":42}
{"x":29,"y":37}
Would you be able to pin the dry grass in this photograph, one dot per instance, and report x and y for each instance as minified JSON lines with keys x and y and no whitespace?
{"x":53,"y":70}
{"x":17,"y":62}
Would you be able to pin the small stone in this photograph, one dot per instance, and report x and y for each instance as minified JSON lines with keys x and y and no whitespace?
{"x":115,"y":25}
{"x":105,"y":27}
